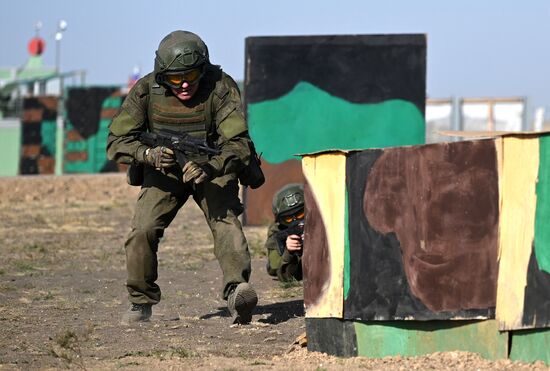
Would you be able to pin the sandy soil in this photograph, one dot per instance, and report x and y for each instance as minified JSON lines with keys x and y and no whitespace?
{"x":62,"y":292}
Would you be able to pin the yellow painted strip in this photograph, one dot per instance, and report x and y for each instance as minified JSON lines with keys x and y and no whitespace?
{"x":517,"y":226}
{"x":499,"y":144}
{"x":326,"y":175}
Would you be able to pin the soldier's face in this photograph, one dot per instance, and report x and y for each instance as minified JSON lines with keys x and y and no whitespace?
{"x":185,"y":91}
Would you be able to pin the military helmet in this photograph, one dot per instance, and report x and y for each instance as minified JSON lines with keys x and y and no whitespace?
{"x":180,"y":51}
{"x":288,"y":200}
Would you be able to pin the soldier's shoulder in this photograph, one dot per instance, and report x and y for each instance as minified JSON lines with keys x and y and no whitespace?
{"x":143,"y":85}
{"x":224,"y":84}
{"x":229,"y":83}
{"x":228,"y":80}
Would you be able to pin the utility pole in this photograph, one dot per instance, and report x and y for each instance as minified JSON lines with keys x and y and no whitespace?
{"x":60,"y":127}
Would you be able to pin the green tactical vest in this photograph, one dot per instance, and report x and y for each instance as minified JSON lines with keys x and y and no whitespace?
{"x":194,"y":118}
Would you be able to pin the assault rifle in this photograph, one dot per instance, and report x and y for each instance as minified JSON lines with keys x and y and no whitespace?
{"x":296,"y":227}
{"x":182,"y":144}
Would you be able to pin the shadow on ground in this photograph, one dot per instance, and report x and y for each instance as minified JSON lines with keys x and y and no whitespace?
{"x":277,"y":312}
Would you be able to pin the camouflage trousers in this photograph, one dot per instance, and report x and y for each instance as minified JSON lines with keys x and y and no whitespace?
{"x":160,"y":199}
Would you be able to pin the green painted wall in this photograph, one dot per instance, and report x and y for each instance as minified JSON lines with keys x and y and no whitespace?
{"x":346,"y":249}
{"x":408,"y":338}
{"x":531,"y":345}
{"x":308,"y":120}
{"x":48,"y":131}
{"x":542,"y":216}
{"x":10,"y":147}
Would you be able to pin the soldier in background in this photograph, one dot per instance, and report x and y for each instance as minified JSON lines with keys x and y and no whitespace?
{"x":187,"y":94}
{"x":285,"y":235}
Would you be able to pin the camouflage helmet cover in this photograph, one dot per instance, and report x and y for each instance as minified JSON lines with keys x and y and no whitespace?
{"x":180,"y":51}
{"x":288,"y":200}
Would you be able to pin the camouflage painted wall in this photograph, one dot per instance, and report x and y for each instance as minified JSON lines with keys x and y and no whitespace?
{"x":432,"y":232}
{"x":306,"y":94}
{"x":38,"y":128}
{"x":89,"y":112}
{"x":423,"y":232}
{"x":400,"y":240}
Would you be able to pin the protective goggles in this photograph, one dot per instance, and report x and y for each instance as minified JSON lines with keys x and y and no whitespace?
{"x":290,"y":218}
{"x":176,"y":79}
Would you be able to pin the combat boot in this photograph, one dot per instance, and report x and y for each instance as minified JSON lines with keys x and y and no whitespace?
{"x":137,"y":313}
{"x":241,"y":302}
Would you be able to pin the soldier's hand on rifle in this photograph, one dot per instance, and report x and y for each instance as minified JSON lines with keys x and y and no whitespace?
{"x":293,"y":243}
{"x":193,"y":171}
{"x":160,"y":157}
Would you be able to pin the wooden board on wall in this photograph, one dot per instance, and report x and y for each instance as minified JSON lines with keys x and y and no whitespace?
{"x":524,"y":279}
{"x":324,"y":240}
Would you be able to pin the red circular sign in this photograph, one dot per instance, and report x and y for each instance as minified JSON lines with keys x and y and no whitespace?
{"x":36,"y":46}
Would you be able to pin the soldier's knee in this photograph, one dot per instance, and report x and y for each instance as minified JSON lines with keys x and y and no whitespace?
{"x":149,"y":233}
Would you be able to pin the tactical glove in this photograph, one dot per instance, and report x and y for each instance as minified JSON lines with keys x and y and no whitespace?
{"x":193,"y":171}
{"x":160,"y":157}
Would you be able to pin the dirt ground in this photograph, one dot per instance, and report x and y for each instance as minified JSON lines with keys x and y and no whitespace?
{"x":62,"y":272}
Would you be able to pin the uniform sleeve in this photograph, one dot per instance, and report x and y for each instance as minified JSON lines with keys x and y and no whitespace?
{"x":122,"y":143}
{"x":287,"y":267}
{"x":273,"y":257}
{"x":291,"y":267}
{"x":273,"y":262}
{"x":233,"y":139}
{"x":271,"y":241}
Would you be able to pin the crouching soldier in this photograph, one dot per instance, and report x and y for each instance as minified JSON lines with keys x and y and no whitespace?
{"x":285,"y":235}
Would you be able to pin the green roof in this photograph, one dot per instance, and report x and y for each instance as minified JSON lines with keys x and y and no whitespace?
{"x":35,"y":69}
{"x":6,"y":73}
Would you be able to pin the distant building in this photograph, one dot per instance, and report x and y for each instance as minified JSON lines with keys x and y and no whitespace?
{"x":32,"y":79}
{"x":474,"y":114}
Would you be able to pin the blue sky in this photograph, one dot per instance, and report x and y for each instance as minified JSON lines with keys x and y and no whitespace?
{"x":476,"y":48}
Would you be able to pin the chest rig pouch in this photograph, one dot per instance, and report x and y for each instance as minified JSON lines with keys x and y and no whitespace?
{"x":167,"y":112}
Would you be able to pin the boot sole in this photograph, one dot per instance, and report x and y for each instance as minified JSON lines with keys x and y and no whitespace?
{"x":245,"y":302}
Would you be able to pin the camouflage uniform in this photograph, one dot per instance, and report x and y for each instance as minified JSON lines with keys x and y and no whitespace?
{"x":287,"y":267}
{"x":215,"y":114}
{"x":287,"y":202}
